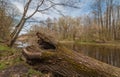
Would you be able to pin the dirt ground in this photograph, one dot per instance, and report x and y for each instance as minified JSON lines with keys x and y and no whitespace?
{"x":19,"y":70}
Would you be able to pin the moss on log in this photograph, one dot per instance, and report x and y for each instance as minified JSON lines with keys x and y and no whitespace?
{"x":68,"y":63}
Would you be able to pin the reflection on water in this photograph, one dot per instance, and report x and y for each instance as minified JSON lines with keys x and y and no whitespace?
{"x":21,"y":45}
{"x":107,"y":54}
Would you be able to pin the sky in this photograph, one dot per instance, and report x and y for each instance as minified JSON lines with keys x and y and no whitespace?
{"x":83,"y":10}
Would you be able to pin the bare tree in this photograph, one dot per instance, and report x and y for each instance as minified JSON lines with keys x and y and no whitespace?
{"x":7,"y":16}
{"x":42,"y":5}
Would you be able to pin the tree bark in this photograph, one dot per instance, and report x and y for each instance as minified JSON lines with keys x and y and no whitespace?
{"x":15,"y":35}
{"x":67,"y":63}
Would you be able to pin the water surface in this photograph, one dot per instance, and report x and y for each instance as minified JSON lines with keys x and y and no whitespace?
{"x":107,"y":54}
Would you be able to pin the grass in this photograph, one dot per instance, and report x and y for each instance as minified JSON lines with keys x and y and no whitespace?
{"x":111,"y":43}
{"x":6,"y":51}
{"x":4,"y":48}
{"x":33,"y":72}
{"x":101,"y":44}
{"x":9,"y":62}
{"x":8,"y":57}
{"x":2,"y":66}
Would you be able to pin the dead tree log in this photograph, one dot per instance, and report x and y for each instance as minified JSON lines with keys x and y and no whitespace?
{"x":52,"y":56}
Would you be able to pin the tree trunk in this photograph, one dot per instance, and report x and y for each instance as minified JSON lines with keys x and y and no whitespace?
{"x":16,"y":33}
{"x":65,"y":62}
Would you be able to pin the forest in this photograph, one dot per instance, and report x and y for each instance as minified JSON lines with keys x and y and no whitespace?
{"x":59,"y":38}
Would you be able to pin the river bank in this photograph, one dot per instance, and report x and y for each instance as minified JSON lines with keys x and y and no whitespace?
{"x":109,"y":44}
{"x":13,"y":65}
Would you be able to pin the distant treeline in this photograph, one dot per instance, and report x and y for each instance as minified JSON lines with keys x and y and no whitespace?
{"x":101,"y":24}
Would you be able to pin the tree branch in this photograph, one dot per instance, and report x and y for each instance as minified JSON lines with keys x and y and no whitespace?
{"x":26,"y":8}
{"x":35,"y":10}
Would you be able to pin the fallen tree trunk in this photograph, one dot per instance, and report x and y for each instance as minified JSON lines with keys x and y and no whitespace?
{"x":55,"y":58}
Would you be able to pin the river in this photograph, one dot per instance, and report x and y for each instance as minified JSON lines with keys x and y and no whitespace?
{"x":107,"y":54}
